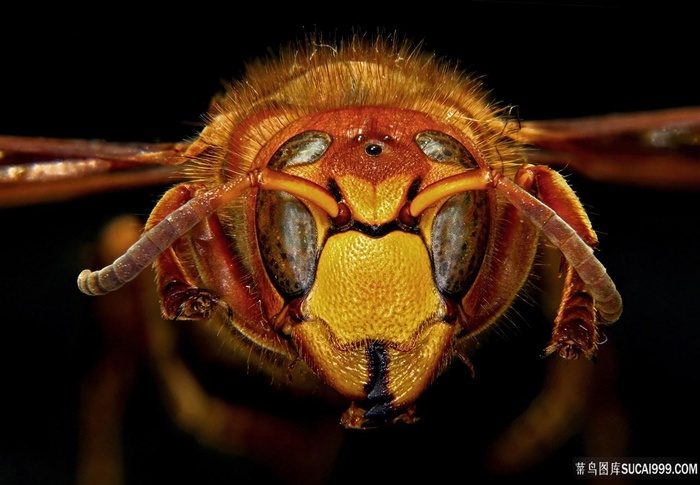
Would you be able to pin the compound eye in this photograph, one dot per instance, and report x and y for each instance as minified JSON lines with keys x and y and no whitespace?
{"x":442,"y":148}
{"x":460,"y":233}
{"x":287,"y":238}
{"x":302,"y":149}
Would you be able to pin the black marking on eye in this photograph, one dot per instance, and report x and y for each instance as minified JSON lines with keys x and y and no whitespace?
{"x":304,"y":148}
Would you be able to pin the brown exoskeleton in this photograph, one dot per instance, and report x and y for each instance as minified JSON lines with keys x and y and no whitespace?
{"x":362,"y":209}
{"x":373,"y":182}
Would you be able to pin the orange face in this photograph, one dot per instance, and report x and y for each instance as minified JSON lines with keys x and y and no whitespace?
{"x":373,"y":299}
{"x":362,"y":209}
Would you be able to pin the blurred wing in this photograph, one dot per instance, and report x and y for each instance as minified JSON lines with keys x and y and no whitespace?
{"x":36,"y":170}
{"x":655,"y":149}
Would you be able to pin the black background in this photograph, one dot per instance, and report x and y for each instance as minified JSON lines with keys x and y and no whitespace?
{"x":128,"y":75}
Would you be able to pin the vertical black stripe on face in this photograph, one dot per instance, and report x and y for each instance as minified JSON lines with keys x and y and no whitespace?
{"x":379,"y":398}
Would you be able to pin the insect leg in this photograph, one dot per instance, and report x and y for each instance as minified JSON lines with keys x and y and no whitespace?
{"x":200,"y":271}
{"x":159,"y":238}
{"x":590,"y":296}
{"x":179,"y":285}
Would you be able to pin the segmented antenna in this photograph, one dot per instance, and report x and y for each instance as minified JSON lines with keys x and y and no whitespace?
{"x":577,"y":252}
{"x":179,"y":222}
